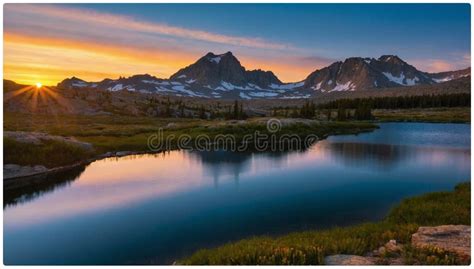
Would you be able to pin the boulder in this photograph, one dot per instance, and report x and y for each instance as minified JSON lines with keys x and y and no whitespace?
{"x":392,"y":246}
{"x":14,"y":170}
{"x":451,"y":238}
{"x":37,"y":138}
{"x":341,"y":259}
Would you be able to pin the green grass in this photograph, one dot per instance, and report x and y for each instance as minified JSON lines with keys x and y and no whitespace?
{"x":121,"y":133}
{"x":49,"y":153}
{"x":435,"y":208}
{"x":440,"y":115}
{"x":310,"y":248}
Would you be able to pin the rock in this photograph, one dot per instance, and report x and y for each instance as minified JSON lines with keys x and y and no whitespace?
{"x":37,"y":138}
{"x":107,"y":154}
{"x":452,"y":238}
{"x":380,"y":251}
{"x":14,"y":170}
{"x":341,"y":259}
{"x":392,"y":246}
{"x":122,"y":153}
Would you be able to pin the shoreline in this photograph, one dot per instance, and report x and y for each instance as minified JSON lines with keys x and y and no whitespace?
{"x":427,"y":229}
{"x":11,"y":181}
{"x":21,"y":180}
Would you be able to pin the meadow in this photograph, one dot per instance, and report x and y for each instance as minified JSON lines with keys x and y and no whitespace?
{"x":113,"y":133}
{"x":310,"y":248}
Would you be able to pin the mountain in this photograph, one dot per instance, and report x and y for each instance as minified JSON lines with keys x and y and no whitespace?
{"x":450,"y":75}
{"x":221,"y":76}
{"x":211,"y":76}
{"x":212,"y":70}
{"x":356,"y":74}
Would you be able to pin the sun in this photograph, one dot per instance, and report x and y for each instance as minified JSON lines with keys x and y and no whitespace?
{"x":38,"y":85}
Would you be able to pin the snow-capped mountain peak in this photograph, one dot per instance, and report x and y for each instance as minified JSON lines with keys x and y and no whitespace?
{"x":223,"y":76}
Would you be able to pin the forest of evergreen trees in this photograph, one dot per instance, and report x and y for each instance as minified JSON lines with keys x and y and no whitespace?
{"x":400,"y":102}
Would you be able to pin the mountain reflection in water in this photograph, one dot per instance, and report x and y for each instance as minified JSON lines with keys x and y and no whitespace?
{"x":156,"y":208}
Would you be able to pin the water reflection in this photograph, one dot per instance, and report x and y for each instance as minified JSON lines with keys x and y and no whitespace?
{"x":27,"y":190}
{"x":221,"y":164}
{"x":156,"y":208}
{"x":388,"y":157}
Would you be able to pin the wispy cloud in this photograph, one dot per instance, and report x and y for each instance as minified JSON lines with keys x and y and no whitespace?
{"x":94,"y":45}
{"x":50,"y":42}
{"x":82,"y":17}
{"x":453,"y":61}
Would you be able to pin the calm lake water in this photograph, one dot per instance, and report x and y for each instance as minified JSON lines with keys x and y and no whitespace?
{"x":158,"y":208}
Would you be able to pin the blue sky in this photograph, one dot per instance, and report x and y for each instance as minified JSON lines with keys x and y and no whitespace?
{"x":294,"y":37}
{"x":340,"y":30}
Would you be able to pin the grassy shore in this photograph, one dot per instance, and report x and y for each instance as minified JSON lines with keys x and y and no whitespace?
{"x":310,"y":248}
{"x":435,"y":115}
{"x":121,"y":133}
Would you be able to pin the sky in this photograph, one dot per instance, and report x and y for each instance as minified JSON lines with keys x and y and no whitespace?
{"x":49,"y":42}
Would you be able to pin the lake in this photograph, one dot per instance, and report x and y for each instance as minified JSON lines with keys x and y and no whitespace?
{"x":158,"y":208}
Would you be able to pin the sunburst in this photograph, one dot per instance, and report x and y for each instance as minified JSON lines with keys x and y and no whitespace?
{"x":38,"y":94}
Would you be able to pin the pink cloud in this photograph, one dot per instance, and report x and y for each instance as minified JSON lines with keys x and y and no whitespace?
{"x":83,"y":17}
{"x":459,"y":61}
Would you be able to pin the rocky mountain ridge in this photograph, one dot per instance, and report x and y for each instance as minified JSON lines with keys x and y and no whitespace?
{"x":221,"y":76}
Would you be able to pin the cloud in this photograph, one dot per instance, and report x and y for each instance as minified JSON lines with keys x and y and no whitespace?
{"x":456,"y":61}
{"x":77,"y":19}
{"x":94,"y":45}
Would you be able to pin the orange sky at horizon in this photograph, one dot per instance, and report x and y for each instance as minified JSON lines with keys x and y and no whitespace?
{"x":31,"y":59}
{"x":48,"y":43}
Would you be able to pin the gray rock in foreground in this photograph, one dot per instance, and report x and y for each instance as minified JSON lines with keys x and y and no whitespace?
{"x":452,"y":238}
{"x":342,"y":259}
{"x":14,"y":170}
{"x":37,"y":138}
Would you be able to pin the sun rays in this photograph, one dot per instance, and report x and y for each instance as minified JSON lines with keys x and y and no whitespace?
{"x":38,"y":98}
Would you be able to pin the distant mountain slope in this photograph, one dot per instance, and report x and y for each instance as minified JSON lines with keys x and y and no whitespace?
{"x":221,"y":76}
{"x":450,"y":75}
{"x":93,"y":101}
{"x":356,"y":74}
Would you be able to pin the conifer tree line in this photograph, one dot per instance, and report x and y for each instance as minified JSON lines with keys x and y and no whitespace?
{"x":166,"y":107}
{"x":401,"y":102}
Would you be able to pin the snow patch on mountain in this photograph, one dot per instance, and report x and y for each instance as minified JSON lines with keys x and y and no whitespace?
{"x":115,"y":88}
{"x":411,"y":81}
{"x":263,"y":94}
{"x":182,"y":89}
{"x":80,"y":84}
{"x":448,"y":78}
{"x":215,"y":59}
{"x":317,"y":87}
{"x":288,"y":86}
{"x":402,"y":80}
{"x":343,"y":87}
{"x":244,"y":96}
{"x":296,"y":96}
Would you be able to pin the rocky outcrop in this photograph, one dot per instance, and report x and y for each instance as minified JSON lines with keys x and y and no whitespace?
{"x":455,"y":239}
{"x":14,"y":170}
{"x":451,"y":238}
{"x":342,"y":259}
{"x":37,"y":138}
